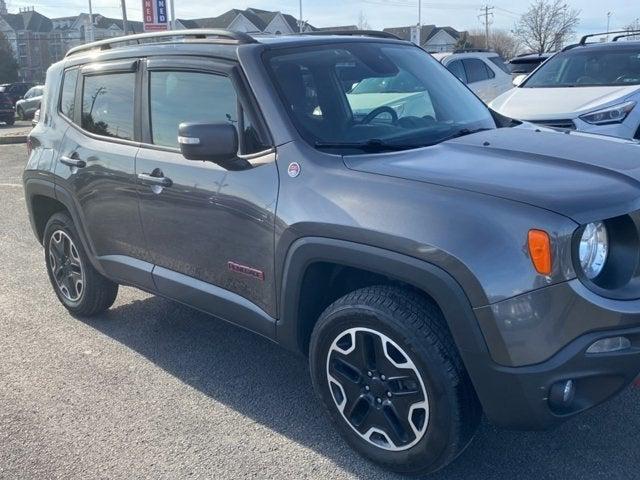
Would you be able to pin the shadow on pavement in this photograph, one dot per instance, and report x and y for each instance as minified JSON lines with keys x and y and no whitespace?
{"x":271,"y":386}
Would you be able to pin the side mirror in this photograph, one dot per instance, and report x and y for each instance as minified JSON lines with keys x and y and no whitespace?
{"x":518,"y":79}
{"x":215,"y":142}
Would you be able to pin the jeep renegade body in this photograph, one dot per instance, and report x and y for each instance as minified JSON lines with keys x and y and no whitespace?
{"x":433,"y":260}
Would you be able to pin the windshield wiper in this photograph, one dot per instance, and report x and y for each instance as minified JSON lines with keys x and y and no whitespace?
{"x":463,"y":132}
{"x":370,"y":146}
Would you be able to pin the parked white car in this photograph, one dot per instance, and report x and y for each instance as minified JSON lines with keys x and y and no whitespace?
{"x":485,"y":73}
{"x":591,"y":87}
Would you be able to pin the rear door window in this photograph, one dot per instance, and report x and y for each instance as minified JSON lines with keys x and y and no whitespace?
{"x":108,"y":103}
{"x":457,"y":69}
{"x":476,"y":70}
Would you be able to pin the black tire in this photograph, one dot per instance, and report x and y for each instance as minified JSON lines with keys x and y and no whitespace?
{"x":20,"y":113}
{"x":415,"y":325}
{"x":10,"y":121}
{"x":97,"y":293}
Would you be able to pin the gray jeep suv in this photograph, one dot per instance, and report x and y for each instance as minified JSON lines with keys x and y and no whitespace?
{"x":345,"y":196}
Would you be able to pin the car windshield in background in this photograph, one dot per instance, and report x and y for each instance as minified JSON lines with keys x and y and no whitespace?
{"x":500,"y":63}
{"x":369,"y":97}
{"x":589,"y":67}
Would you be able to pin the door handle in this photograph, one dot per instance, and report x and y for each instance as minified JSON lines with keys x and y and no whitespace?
{"x":153,"y":180}
{"x":73,"y":162}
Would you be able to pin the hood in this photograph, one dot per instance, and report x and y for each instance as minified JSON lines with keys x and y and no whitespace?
{"x":557,"y":103}
{"x":583,"y":177}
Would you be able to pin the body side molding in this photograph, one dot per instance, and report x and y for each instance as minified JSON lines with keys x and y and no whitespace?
{"x":214,"y":300}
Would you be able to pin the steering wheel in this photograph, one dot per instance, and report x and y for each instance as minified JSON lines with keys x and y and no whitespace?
{"x":378,"y":111}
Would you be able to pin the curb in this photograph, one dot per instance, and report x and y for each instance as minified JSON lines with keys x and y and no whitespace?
{"x":9,"y":140}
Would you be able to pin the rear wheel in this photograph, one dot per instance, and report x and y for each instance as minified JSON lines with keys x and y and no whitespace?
{"x":20,"y":113}
{"x":10,"y":121}
{"x":391,"y":379}
{"x":78,"y":285}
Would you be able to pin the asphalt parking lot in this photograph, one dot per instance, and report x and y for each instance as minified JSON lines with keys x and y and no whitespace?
{"x":152,"y":389}
{"x":21,"y":127}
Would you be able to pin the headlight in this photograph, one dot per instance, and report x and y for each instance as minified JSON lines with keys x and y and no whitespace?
{"x":613,"y":114}
{"x":594,"y":248}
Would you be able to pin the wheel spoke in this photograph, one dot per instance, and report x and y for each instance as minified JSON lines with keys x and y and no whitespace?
{"x":397,"y":425}
{"x":358,"y":411}
{"x":369,"y":347}
{"x":344,"y":372}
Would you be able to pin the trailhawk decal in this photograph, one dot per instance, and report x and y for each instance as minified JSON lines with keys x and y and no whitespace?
{"x":252,"y":272}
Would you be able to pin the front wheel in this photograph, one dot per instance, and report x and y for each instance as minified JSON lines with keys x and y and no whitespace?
{"x":20,"y":114}
{"x":390,"y":377}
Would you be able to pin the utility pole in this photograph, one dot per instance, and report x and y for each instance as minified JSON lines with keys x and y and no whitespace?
{"x":300,"y":22}
{"x":91,"y":30}
{"x":125,"y":23}
{"x":174,"y":20}
{"x":608,"y":24}
{"x":486,"y":12}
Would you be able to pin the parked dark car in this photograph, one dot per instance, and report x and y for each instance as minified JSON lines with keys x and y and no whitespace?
{"x":527,"y":62}
{"x":15,"y":91}
{"x":434,"y":260}
{"x":7,"y":112}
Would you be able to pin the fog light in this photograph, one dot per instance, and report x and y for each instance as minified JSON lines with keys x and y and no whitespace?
{"x":562,"y":394}
{"x":609,"y":345}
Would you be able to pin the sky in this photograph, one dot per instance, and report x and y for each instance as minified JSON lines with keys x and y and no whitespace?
{"x":460,"y":14}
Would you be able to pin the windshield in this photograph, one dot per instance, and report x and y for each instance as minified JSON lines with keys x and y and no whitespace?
{"x":373,"y":97}
{"x":589,"y":67}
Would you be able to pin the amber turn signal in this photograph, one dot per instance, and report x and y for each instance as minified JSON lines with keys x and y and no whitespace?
{"x":540,"y":251}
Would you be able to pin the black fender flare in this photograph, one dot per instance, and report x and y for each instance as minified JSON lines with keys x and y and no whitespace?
{"x":46,"y":188}
{"x":429,"y":278}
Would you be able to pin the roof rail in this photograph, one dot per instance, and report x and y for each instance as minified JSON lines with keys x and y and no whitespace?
{"x":223,"y":36}
{"x":353,"y":33}
{"x":630,"y":33}
{"x":584,"y":39}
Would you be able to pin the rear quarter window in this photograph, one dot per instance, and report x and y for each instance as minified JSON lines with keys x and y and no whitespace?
{"x":68,"y":94}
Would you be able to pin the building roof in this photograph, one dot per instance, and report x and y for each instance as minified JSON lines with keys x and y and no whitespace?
{"x":426,"y":32}
{"x":339,"y":28}
{"x":260,"y":18}
{"x":29,"y":20}
{"x":106,"y":22}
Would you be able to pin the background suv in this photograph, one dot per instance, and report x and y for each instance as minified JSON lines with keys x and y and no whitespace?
{"x":485,"y":73}
{"x":433,"y":262}
{"x":592,"y":87}
{"x":26,"y":107}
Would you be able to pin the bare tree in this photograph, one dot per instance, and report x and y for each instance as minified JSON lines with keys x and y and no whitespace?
{"x":363,"y":24}
{"x":546,"y":25}
{"x":505,"y":43}
{"x":633,"y":27}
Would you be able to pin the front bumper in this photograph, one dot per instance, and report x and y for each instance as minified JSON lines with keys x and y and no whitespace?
{"x":540,"y":339}
{"x":518,"y":397}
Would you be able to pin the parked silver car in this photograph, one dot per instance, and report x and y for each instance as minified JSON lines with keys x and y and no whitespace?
{"x":26,"y":107}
